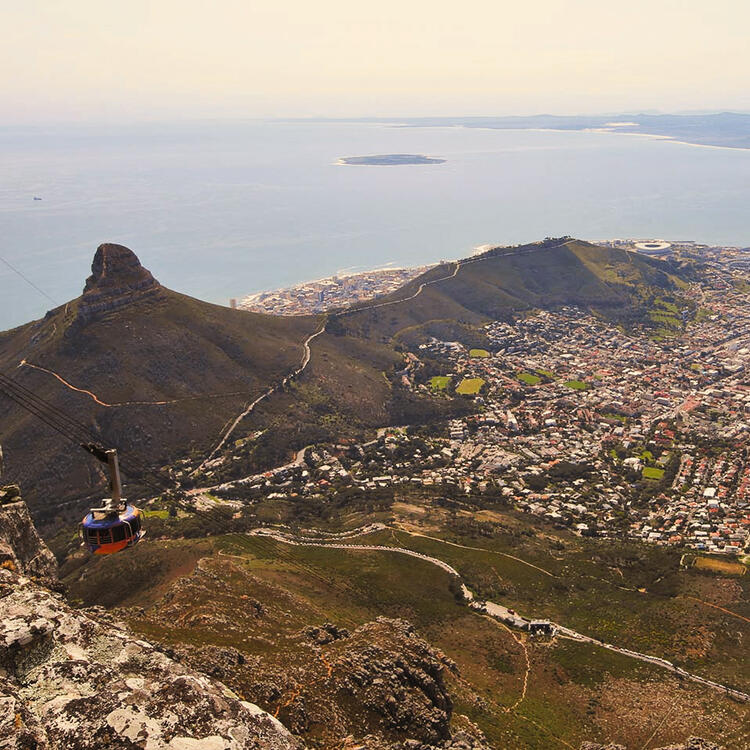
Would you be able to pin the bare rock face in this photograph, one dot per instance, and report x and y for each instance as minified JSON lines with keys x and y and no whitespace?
{"x":117,"y":279}
{"x":21,"y":548}
{"x":70,"y":682}
{"x":390,"y":670}
{"x":376,"y":686}
{"x":693,"y":743}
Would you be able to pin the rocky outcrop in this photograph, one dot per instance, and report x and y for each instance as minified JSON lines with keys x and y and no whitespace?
{"x":117,"y":279}
{"x":693,"y":743}
{"x":376,"y":686}
{"x":21,"y":548}
{"x":70,"y":682}
{"x":459,"y":741}
{"x":390,"y":670}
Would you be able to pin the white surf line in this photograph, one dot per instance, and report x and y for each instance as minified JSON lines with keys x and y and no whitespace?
{"x":567,"y":632}
{"x":307,"y":355}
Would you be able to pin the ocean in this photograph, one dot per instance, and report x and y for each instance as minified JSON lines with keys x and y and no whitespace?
{"x":223,"y":209}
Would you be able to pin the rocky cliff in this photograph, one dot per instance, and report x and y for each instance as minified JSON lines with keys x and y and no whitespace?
{"x":117,"y":279}
{"x":69,"y":681}
{"x":380,"y":683}
{"x":21,"y":548}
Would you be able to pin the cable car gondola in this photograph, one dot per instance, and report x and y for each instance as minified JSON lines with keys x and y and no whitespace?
{"x":115,"y":525}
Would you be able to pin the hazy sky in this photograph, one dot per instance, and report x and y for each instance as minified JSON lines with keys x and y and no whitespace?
{"x":90,"y":60}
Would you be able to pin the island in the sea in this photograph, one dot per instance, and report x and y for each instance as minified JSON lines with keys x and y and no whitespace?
{"x":389,"y":160}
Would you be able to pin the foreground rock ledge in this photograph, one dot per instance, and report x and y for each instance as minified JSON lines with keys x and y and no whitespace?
{"x":68,"y":682}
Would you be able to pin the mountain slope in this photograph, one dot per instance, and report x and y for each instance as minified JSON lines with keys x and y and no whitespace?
{"x":345,"y":381}
{"x":615,"y":283}
{"x":159,"y":373}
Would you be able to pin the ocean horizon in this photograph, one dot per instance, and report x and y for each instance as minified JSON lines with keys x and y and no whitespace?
{"x":226,"y":209}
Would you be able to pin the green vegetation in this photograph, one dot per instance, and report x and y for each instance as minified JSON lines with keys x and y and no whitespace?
{"x":651,"y":472}
{"x":619,"y":286}
{"x":619,"y":417}
{"x":528,"y":378}
{"x":576,"y":385}
{"x":670,"y":307}
{"x":470,"y":386}
{"x":632,"y":595}
{"x":480,"y":353}
{"x":439,"y":382}
{"x":156,"y":514}
{"x":546,"y":374}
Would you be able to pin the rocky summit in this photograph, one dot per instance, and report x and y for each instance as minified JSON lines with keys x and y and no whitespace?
{"x":117,"y":279}
{"x":70,"y":681}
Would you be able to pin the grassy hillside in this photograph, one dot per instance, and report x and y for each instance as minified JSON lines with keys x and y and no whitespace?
{"x":617,"y":284}
{"x":265,"y":594}
{"x":351,"y":384}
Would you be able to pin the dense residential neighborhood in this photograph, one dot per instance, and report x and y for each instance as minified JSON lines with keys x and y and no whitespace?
{"x":639,"y":433}
{"x":334,"y":291}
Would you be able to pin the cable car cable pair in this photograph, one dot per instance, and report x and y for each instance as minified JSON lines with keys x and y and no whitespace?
{"x":123,"y":521}
{"x":124,"y":530}
{"x":114,"y":525}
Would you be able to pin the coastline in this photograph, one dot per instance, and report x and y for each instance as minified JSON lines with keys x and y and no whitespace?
{"x":600,"y":131}
{"x":375,"y":279}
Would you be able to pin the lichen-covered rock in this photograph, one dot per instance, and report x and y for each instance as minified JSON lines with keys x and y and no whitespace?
{"x":459,"y":741}
{"x":326,"y":633}
{"x":693,"y":743}
{"x":71,"y":682}
{"x":21,"y":548}
{"x":10,"y":493}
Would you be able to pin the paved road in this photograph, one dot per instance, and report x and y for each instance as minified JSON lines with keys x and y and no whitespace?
{"x":497,"y":611}
{"x":307,"y":355}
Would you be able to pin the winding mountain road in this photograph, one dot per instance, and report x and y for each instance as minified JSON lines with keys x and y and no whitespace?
{"x":307,"y":351}
{"x":306,"y":357}
{"x":496,"y":611}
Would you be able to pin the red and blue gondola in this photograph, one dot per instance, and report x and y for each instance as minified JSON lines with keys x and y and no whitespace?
{"x":106,"y":532}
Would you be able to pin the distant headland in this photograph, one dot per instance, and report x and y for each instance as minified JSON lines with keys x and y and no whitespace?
{"x":389,"y":160}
